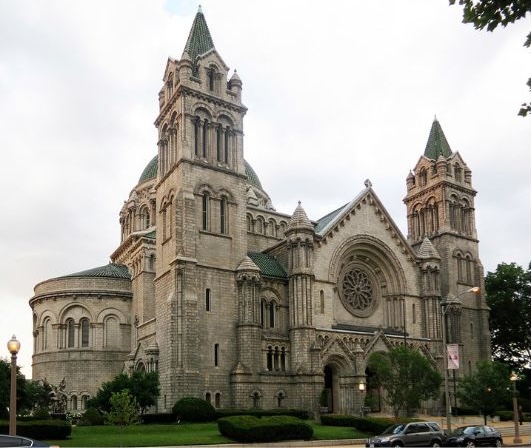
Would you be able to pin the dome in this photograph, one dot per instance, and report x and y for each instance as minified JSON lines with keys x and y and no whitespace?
{"x":110,"y":270}
{"x":150,"y":172}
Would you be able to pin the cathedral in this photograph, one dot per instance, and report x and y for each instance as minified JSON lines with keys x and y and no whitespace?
{"x":232,"y":301}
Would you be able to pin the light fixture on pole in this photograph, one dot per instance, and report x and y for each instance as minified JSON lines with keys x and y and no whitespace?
{"x":446,"y":304}
{"x":13,"y":345}
{"x":517,"y":439}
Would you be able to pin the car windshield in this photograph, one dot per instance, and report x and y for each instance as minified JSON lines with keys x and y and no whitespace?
{"x":394,"y":429}
{"x":464,"y":430}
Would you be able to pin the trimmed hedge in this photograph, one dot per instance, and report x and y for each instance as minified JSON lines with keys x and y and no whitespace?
{"x":194,"y":410}
{"x":299,"y":413}
{"x":373,"y":425}
{"x":249,"y":429}
{"x":40,"y":429}
{"x":160,"y":418}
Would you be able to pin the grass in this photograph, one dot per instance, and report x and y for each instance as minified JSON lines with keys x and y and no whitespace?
{"x":183,"y":434}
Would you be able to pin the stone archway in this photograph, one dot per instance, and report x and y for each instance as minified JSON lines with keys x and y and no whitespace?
{"x":331,"y":385}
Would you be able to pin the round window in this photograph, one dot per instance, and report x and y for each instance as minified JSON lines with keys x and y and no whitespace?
{"x":356,"y":291}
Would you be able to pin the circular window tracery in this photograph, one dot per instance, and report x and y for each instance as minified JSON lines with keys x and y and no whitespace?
{"x":356,"y":291}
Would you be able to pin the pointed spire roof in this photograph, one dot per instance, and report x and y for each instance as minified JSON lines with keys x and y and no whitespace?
{"x":437,"y":144}
{"x":299,"y":219}
{"x":199,"y":40}
{"x":427,"y":250}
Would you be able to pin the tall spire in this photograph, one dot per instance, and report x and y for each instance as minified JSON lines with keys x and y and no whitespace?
{"x":199,"y":40}
{"x":437,"y":144}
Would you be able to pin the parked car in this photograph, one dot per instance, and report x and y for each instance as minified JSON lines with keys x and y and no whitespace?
{"x":475,"y":435}
{"x":409,"y":434}
{"x":15,"y":441}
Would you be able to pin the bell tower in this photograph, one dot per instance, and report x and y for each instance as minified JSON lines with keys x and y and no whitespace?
{"x":440,"y":208}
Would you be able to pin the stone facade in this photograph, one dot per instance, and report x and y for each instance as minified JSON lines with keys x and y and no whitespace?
{"x":244,"y":306}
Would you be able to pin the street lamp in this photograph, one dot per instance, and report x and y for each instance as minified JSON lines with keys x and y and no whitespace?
{"x":13,"y":345}
{"x":446,"y":304}
{"x":517,"y":439}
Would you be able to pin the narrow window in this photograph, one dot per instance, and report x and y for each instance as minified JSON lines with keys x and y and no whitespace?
{"x":218,"y":143}
{"x":223,"y":215}
{"x":196,"y":136}
{"x":471,"y":330}
{"x":84,"y":400}
{"x":208,"y":300}
{"x":272,"y":312}
{"x":263,"y":309}
{"x":205,"y":138}
{"x":74,"y":403}
{"x":227,"y":142}
{"x":208,"y":397}
{"x":269,"y":358}
{"x":280,"y":398}
{"x":283,"y":359}
{"x":256,"y":400}
{"x":276,"y":358}
{"x":206,"y":205}
{"x":414,"y":314}
{"x":70,"y":332}
{"x":84,"y":333}
{"x":211,"y":79}
{"x":321,"y":301}
{"x":216,"y":355}
{"x":217,"y":400}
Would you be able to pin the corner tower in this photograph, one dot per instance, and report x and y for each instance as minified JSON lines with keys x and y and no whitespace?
{"x":201,"y":236}
{"x":440,"y":207}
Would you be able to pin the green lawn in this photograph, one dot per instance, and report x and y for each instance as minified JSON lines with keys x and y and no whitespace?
{"x":183,"y":434}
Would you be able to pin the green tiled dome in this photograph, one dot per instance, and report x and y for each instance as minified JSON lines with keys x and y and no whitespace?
{"x":110,"y":270}
{"x":150,"y":171}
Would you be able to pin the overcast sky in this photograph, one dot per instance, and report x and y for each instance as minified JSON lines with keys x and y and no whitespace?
{"x":337,"y":92}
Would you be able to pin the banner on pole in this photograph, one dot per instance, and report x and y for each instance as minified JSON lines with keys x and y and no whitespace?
{"x":453,"y":356}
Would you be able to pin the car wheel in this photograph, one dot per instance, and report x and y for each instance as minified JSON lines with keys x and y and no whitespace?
{"x":436,"y":444}
{"x":470,"y":444}
{"x":498,"y":443}
{"x":397,"y":445}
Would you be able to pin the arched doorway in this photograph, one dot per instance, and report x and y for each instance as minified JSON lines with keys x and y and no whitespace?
{"x":331,"y":383}
{"x":373,"y":398}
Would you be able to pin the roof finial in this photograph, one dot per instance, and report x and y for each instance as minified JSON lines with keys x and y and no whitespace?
{"x":299,"y":202}
{"x":368,"y":183}
{"x":435,"y":117}
{"x":199,"y":10}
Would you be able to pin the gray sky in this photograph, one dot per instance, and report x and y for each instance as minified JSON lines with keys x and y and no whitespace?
{"x":337,"y":92}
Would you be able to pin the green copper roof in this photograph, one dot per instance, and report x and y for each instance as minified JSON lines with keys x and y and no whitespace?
{"x":325,"y":220}
{"x":251,"y":176}
{"x":150,"y":171}
{"x":110,"y":270}
{"x":269,"y":265}
{"x":199,"y":40}
{"x":437,"y":144}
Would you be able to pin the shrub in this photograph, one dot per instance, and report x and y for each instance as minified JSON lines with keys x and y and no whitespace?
{"x":192,"y":409}
{"x":165,"y":417}
{"x":250,"y":429}
{"x":299,"y":413}
{"x":91,"y":417}
{"x":123,"y":409}
{"x":41,"y":429}
{"x":337,"y":420}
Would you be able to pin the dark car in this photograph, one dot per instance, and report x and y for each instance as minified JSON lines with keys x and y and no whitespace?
{"x":409,"y":434}
{"x":475,"y":435}
{"x":13,"y":441}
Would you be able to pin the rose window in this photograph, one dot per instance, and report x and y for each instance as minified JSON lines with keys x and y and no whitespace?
{"x":357,"y":292}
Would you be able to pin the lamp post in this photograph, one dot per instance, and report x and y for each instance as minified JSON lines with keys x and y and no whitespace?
{"x":13,"y":345}
{"x":517,"y":439}
{"x":446,"y":304}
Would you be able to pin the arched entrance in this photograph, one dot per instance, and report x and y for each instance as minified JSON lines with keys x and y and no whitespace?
{"x":331,"y":383}
{"x":373,"y":399}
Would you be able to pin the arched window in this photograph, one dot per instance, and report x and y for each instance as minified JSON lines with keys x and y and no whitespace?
{"x":145,"y":221}
{"x":256,"y":399}
{"x":73,"y":403}
{"x":84,"y":400}
{"x":208,"y":397}
{"x":249,"y":223}
{"x":269,"y":358}
{"x":205,"y":138}
{"x":423,"y":177}
{"x":283,"y":359}
{"x":206,"y":212}
{"x":70,"y":333}
{"x":219,"y":149}
{"x":227,"y":145}
{"x":223,"y":215}
{"x":211,"y":79}
{"x":469,"y":264}
{"x":272,"y":314}
{"x":458,"y":173}
{"x":85,"y":328}
{"x":197,"y":125}
{"x":263,"y":312}
{"x":217,"y":400}
{"x":112,"y":332}
{"x":47,"y":334}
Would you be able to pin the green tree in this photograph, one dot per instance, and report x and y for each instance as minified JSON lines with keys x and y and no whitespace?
{"x":143,"y":386}
{"x":124,"y":409}
{"x":487,"y":389}
{"x":407,"y":376}
{"x":37,"y":396}
{"x":492,"y":13}
{"x":5,"y":388}
{"x":508,"y":294}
